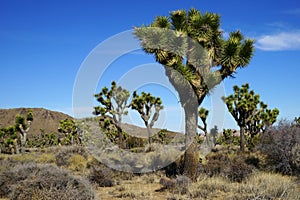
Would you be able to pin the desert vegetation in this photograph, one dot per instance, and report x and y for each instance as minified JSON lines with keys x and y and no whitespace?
{"x":259,"y":161}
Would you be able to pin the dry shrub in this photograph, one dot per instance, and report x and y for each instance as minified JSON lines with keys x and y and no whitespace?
{"x":234,"y":167}
{"x":215,"y":164}
{"x":32,"y":181}
{"x":77,"y":163}
{"x":65,"y":152}
{"x":281,"y":144}
{"x":238,"y":170}
{"x":209,"y":188}
{"x":259,"y":186}
{"x":101,"y":175}
{"x":179,"y":185}
{"x":268,"y":186}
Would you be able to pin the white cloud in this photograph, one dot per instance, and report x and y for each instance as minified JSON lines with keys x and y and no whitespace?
{"x":295,"y":11}
{"x":279,"y":42}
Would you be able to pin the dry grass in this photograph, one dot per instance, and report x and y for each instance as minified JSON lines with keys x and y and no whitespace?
{"x":259,"y":186}
{"x":128,"y":186}
{"x":46,"y":158}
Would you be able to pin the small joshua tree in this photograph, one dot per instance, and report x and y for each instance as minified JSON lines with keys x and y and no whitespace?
{"x":69,"y":128}
{"x":113,"y":106}
{"x":203,"y":113}
{"x":145,"y":104}
{"x":23,"y":126}
{"x":250,"y":113}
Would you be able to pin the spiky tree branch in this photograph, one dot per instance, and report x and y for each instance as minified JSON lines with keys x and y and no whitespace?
{"x":145,"y":104}
{"x":113,"y":106}
{"x":203,"y":113}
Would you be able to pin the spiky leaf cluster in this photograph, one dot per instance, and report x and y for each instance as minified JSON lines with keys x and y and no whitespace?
{"x":113,"y":103}
{"x":203,"y":114}
{"x":29,"y":116}
{"x":22,"y":123}
{"x":8,"y":138}
{"x":143,"y":104}
{"x":67,"y":126}
{"x":191,"y":43}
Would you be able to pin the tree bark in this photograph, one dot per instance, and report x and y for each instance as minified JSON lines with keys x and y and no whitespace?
{"x":190,"y":155}
{"x":242,"y":139}
{"x":23,"y":141}
{"x":149,"y":134}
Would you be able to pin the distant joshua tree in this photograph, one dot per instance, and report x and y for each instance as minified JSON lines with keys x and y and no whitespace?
{"x":203,"y":113}
{"x":23,"y":125}
{"x":70,"y":129}
{"x":145,"y":104}
{"x":249,"y":112}
{"x":113,"y":106}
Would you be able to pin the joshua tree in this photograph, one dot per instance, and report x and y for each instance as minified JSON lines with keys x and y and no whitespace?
{"x":145,"y":104}
{"x":113,"y":105}
{"x":23,"y":128}
{"x":250,"y":113}
{"x":203,"y":113}
{"x":69,"y":128}
{"x":196,"y":57}
{"x":8,"y":140}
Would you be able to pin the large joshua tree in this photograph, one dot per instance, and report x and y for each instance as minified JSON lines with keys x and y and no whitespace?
{"x":196,"y":58}
{"x":113,"y":106}
{"x":145,"y":104}
{"x":251,"y":114}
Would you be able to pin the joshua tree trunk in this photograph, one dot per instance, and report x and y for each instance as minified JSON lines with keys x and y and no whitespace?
{"x":120,"y":135}
{"x":23,"y":136}
{"x":242,"y":139}
{"x":190,"y":156}
{"x":23,"y":141}
{"x":149,"y":134}
{"x":190,"y":104}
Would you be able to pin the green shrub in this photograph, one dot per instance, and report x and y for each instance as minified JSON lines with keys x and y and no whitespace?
{"x":228,"y":137}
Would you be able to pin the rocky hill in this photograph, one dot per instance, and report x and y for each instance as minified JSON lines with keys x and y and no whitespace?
{"x":43,"y":119}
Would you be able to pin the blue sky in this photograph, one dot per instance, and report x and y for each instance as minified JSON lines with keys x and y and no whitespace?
{"x":43,"y":44}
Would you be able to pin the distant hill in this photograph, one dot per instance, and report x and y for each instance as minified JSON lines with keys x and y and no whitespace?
{"x":49,"y":121}
{"x":43,"y":119}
